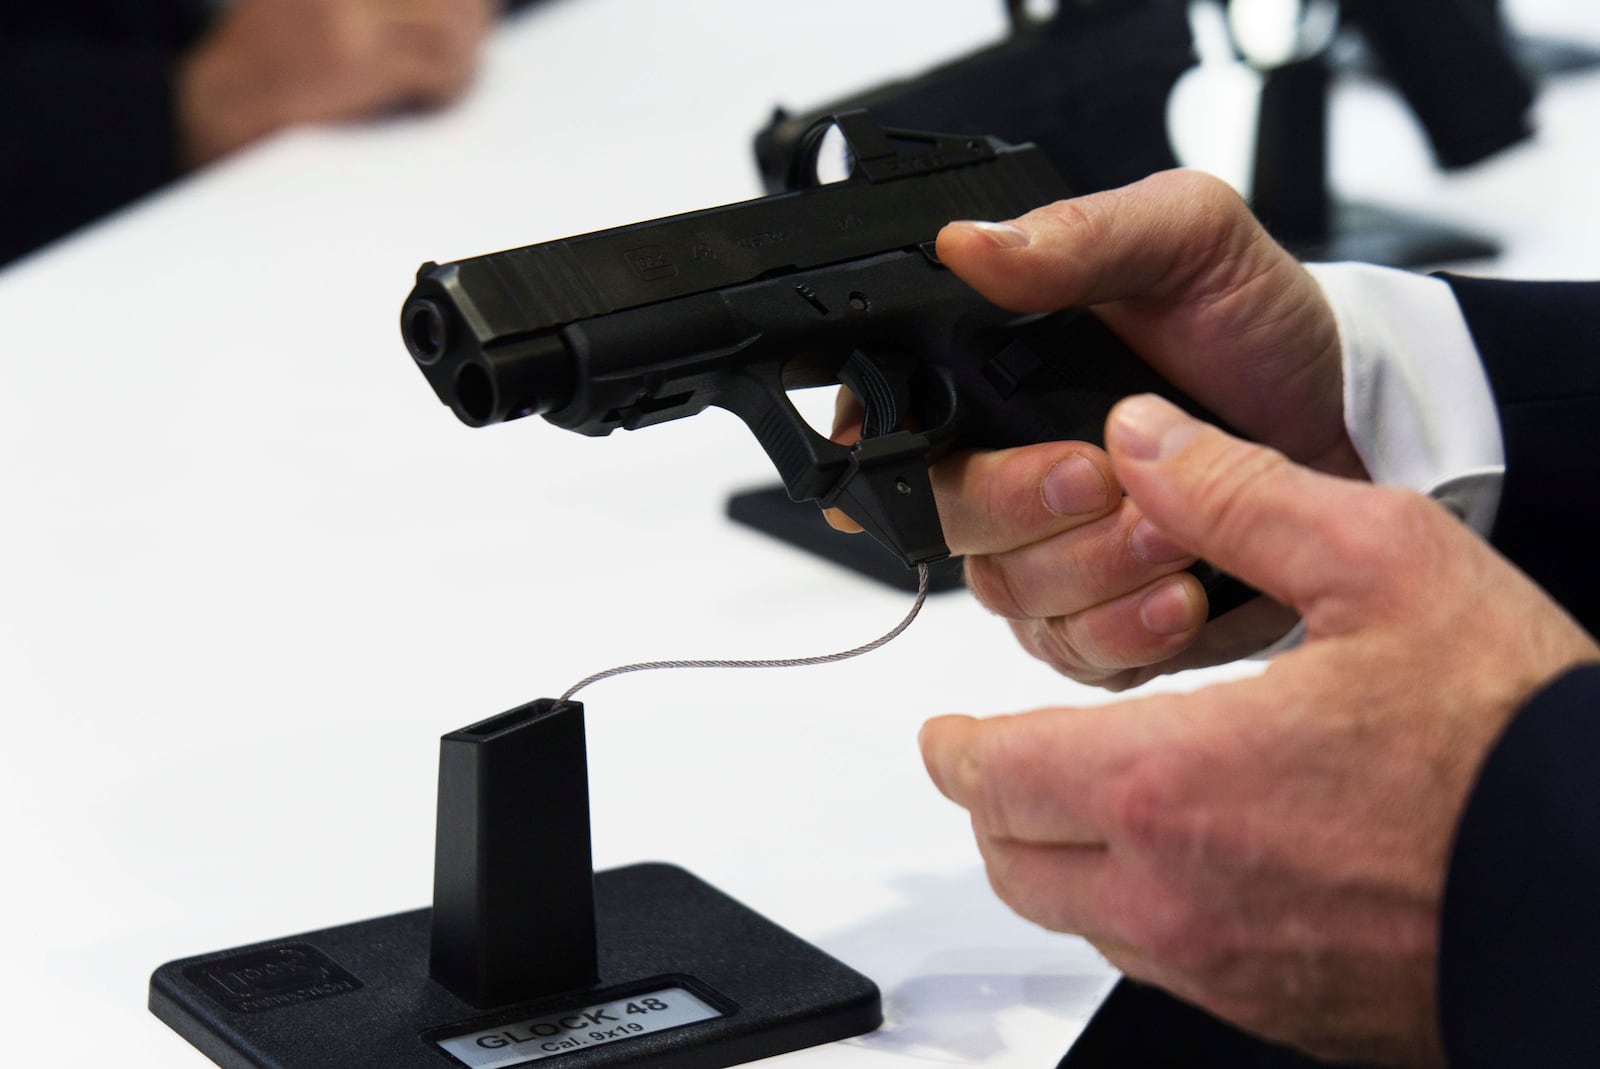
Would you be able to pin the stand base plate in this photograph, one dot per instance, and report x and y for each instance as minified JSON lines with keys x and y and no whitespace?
{"x":1377,"y":235}
{"x":689,"y":979}
{"x":770,"y":511}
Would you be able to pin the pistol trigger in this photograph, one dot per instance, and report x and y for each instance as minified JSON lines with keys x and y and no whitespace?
{"x":884,"y":398}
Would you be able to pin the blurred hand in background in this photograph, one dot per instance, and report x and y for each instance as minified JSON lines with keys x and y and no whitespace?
{"x":270,"y":64}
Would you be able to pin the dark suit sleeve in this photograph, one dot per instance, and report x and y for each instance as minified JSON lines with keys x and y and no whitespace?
{"x":1540,"y":343}
{"x":1519,"y":954}
{"x":87,"y":127}
{"x":1519,"y":962}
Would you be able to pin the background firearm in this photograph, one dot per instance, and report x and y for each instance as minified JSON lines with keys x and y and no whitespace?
{"x":1453,"y":62}
{"x":735,"y":306}
{"x":1088,"y":85}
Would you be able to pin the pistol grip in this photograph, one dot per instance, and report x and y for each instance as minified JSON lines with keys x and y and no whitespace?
{"x":1224,"y":593}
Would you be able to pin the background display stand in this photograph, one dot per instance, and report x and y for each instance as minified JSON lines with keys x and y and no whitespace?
{"x":1552,"y":57}
{"x":1542,"y":57}
{"x":801,"y":524}
{"x":1455,"y":65}
{"x":1291,"y":194}
{"x":527,"y":953}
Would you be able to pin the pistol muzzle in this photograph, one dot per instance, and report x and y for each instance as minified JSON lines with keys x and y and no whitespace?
{"x":481,"y":383}
{"x":426,"y":330}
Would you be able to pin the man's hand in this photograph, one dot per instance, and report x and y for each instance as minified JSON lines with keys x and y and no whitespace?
{"x":277,"y":63}
{"x":1179,"y":268}
{"x":1274,"y":850}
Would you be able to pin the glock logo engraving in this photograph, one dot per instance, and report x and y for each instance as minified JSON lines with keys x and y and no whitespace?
{"x":651,"y":262}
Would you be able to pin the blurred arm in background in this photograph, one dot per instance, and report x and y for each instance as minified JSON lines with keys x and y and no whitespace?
{"x":110,"y":99}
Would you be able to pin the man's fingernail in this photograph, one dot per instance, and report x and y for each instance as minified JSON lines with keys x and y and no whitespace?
{"x":1151,"y":544}
{"x":1004,"y":235}
{"x":1074,"y":486}
{"x":1147,"y":427}
{"x":1169,"y":609}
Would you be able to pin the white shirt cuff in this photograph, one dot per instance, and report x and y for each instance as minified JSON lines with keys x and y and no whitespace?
{"x":1417,"y":401}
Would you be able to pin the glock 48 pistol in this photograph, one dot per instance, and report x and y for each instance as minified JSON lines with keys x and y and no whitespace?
{"x":828,"y":283}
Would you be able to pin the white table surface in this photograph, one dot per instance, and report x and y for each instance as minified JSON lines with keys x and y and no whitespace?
{"x":250,"y":570}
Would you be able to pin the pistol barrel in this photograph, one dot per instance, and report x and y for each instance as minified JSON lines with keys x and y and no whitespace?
{"x":494,"y":334}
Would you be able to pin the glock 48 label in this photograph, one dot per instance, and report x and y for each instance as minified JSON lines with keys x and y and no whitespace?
{"x":578,"y":1029}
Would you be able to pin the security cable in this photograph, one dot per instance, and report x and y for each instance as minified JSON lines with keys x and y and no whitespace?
{"x":787,"y":662}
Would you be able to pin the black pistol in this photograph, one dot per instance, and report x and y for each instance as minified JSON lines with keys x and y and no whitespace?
{"x":1088,"y":84}
{"x":829,"y":283}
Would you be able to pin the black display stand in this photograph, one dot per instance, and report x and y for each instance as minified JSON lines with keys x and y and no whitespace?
{"x":801,"y":524}
{"x":528,"y":956}
{"x":1551,"y":57}
{"x":1292,"y":196}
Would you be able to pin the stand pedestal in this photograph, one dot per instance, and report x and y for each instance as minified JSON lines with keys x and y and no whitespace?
{"x":1292,"y":198}
{"x":527,"y":955}
{"x":770,"y":511}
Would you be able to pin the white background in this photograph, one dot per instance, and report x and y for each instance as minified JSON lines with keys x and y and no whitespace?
{"x":250,"y":570}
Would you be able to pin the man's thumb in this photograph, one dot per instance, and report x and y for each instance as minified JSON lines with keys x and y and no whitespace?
{"x":1243,"y":507}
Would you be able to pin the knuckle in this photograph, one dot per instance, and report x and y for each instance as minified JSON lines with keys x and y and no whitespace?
{"x":1008,"y":492}
{"x":1385,"y":528}
{"x":1082,"y":214}
{"x":1055,"y":642}
{"x":1123,"y":679}
{"x":1033,"y":636}
{"x":1165,"y":928}
{"x":993,"y":816}
{"x":990,"y":583}
{"x":1211,"y":201}
{"x":1082,"y":223}
{"x":344,"y":45}
{"x":1227,"y":486}
{"x":1104,"y":646}
{"x":999,"y":865}
{"x":1137,"y":804}
{"x":1199,"y":948}
{"x":1146,"y":809}
{"x":1196,"y":185}
{"x":1399,"y":519}
{"x":1180,"y":936}
{"x":1218,"y":228}
{"x":1101,"y":570}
